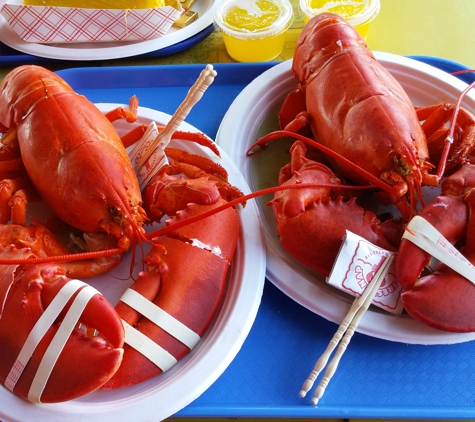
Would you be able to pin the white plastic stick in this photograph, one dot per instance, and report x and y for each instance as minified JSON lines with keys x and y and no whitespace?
{"x":345,"y":330}
{"x":195,"y":93}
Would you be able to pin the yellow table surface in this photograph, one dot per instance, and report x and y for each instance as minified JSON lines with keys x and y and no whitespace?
{"x":439,"y":28}
{"x":426,"y":27}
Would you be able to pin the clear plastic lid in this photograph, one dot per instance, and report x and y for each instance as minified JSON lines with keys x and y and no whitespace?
{"x":248,"y":19}
{"x":356,"y":12}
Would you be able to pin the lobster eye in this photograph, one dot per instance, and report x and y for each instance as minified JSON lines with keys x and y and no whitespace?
{"x":401,"y":165}
{"x":115,"y":213}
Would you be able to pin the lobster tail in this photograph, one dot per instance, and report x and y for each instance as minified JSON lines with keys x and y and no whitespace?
{"x":321,"y":38}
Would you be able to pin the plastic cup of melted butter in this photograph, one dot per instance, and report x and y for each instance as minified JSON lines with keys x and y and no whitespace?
{"x":358,"y":13}
{"x":253,"y":30}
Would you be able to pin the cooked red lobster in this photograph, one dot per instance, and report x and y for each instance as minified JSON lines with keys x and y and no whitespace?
{"x":370,"y":134}
{"x":59,"y":148}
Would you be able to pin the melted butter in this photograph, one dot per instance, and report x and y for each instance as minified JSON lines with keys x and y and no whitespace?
{"x":252,"y":16}
{"x":342,"y":8}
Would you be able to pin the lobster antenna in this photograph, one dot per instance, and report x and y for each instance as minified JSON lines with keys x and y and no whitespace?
{"x":450,"y":137}
{"x":283,"y":133}
{"x":62,"y":258}
{"x":242,"y":199}
{"x":195,"y":93}
{"x":175,"y":225}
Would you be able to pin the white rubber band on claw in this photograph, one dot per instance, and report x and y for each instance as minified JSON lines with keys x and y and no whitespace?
{"x":423,"y":234}
{"x":151,"y":350}
{"x":57,"y":343}
{"x":39,"y":330}
{"x":160,"y":318}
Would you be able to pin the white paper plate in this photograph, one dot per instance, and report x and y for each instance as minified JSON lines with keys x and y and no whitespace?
{"x":253,"y":114}
{"x":166,"y":394}
{"x":113,"y":50}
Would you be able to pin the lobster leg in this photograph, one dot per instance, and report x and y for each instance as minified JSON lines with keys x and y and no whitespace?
{"x":11,"y":205}
{"x":199,"y":138}
{"x":165,"y":194}
{"x":204,"y":164}
{"x":293,"y":113}
{"x":131,"y":137}
{"x":435,"y":125}
{"x":43,"y":243}
{"x":15,"y":191}
{"x":11,"y":164}
{"x":129,"y":114}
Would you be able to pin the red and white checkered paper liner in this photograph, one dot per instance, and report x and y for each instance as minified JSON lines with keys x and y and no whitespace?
{"x":46,"y":24}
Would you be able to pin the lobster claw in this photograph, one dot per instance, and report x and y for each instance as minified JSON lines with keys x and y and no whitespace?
{"x":172,"y":303}
{"x":311,"y":224}
{"x":177,"y":296}
{"x":444,"y":299}
{"x":34,"y":325}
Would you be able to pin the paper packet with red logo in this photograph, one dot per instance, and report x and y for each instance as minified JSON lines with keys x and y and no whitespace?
{"x":354,"y":268}
{"x":153,"y":163}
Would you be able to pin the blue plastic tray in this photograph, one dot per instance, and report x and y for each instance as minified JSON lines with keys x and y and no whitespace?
{"x":376,"y":378}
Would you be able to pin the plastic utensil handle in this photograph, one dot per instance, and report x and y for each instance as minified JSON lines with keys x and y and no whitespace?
{"x":348,"y":327}
{"x":355,"y":307}
{"x":195,"y":93}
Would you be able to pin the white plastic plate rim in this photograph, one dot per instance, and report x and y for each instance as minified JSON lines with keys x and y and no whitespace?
{"x":425,"y":84}
{"x":166,"y":394}
{"x":107,"y":51}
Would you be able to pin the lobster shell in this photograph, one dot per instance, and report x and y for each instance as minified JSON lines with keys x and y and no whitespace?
{"x":356,"y":107}
{"x":66,"y":156}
